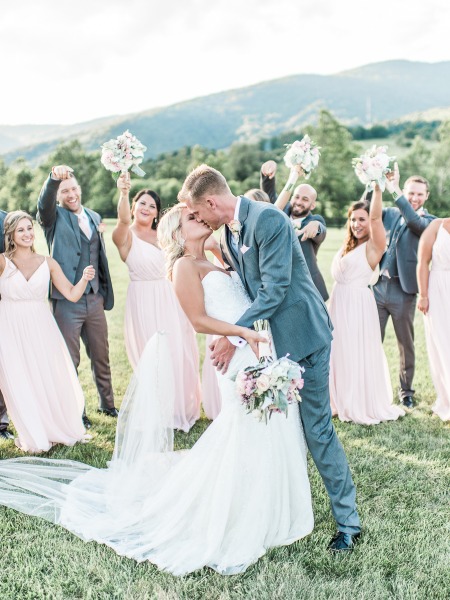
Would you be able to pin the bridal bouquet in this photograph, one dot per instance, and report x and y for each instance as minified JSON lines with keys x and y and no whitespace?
{"x":122,"y":154}
{"x":372,"y":166}
{"x":304,"y":153}
{"x":270,"y":386}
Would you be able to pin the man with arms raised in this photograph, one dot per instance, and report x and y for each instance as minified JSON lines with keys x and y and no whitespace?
{"x":311,"y":229}
{"x":75,"y":241}
{"x":396,"y":290}
{"x":262,"y":247}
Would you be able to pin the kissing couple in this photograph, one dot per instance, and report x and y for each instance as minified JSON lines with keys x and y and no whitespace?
{"x":243,"y":487}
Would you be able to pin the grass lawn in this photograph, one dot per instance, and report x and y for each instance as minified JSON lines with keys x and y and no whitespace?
{"x":401,"y":470}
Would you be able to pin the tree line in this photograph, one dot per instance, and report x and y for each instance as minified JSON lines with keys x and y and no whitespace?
{"x":334,"y":179}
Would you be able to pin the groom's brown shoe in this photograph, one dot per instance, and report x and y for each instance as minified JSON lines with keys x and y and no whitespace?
{"x":343,"y":542}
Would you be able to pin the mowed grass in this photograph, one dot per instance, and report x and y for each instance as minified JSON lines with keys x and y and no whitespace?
{"x":401,"y":470}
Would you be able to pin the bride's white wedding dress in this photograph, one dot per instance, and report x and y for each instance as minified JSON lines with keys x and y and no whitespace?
{"x":242,"y":488}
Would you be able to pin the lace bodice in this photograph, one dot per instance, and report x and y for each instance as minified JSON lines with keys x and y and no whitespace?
{"x":227,"y":300}
{"x":441,"y":251}
{"x":225,"y":296}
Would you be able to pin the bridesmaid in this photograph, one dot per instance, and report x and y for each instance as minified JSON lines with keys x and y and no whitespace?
{"x":39,"y":382}
{"x":360,"y":387}
{"x":151,"y":303}
{"x":434,"y":294}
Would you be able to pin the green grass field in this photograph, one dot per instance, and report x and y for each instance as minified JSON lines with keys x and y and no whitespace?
{"x":401,"y":470}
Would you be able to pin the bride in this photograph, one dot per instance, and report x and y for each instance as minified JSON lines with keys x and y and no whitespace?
{"x":241,"y":489}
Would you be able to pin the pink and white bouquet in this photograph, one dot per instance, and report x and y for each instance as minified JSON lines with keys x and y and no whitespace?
{"x":271,"y":385}
{"x":372,"y":166}
{"x":123,"y":153}
{"x":304,"y":153}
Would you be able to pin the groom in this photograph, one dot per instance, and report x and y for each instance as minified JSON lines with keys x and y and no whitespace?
{"x":261,"y":245}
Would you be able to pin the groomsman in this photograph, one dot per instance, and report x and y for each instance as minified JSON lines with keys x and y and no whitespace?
{"x":313,"y":228}
{"x":396,"y":290}
{"x":4,"y":421}
{"x":74,"y":240}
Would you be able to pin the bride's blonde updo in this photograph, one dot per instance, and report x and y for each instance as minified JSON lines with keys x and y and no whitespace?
{"x":169,"y":236}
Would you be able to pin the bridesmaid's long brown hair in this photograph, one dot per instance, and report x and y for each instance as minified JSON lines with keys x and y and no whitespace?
{"x":350,"y":241}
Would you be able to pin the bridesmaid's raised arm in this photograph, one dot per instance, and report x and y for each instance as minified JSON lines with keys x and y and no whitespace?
{"x":121,"y":235}
{"x":376,"y":244}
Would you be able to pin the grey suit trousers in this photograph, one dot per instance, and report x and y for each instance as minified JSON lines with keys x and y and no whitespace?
{"x":393,"y":301}
{"x":86,"y":319}
{"x":323,"y":443}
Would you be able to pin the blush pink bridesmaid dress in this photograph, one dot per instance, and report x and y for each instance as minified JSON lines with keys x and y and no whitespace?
{"x":360,"y":386}
{"x":37,"y":377}
{"x":437,"y":323}
{"x":152,"y":306}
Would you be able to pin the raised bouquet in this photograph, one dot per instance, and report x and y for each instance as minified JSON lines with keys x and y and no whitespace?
{"x":270,"y":386}
{"x":304,"y":153}
{"x":122,"y":154}
{"x":372,"y":166}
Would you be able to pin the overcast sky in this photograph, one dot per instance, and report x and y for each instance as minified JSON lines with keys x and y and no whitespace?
{"x":69,"y":61}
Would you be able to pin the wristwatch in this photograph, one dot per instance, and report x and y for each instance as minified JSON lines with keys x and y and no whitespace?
{"x":395,"y":195}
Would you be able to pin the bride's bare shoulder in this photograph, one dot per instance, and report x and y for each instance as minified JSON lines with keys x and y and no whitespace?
{"x":185,"y":266}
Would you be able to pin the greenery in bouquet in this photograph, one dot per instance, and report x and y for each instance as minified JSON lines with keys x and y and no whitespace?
{"x":122,"y":154}
{"x":372,"y":166}
{"x":270,"y":386}
{"x":304,"y":153}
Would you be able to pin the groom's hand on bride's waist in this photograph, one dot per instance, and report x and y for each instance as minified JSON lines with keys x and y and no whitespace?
{"x":222,"y":351}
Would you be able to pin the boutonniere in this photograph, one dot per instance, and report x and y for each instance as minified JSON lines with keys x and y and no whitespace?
{"x":235,"y":227}
{"x":101,"y":227}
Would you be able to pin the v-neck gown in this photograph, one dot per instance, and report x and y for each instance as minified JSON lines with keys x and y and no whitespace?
{"x":152,"y":306}
{"x":37,"y":377}
{"x":360,"y":386}
{"x":437,"y":323}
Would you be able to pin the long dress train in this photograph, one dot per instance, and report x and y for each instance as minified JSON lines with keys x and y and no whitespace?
{"x":37,"y":377}
{"x":242,"y":488}
{"x":152,"y":306}
{"x":437,"y":323}
{"x":360,"y":386}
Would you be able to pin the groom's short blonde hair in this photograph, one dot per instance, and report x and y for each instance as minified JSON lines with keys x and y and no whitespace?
{"x":201,"y":181}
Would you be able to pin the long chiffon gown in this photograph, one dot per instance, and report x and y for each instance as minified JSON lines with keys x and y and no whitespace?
{"x":241,"y":489}
{"x":152,"y":306}
{"x":360,"y":386}
{"x":437,"y":323}
{"x":37,"y":377}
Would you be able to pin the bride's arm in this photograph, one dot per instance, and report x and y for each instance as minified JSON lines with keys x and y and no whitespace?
{"x":189,"y":290}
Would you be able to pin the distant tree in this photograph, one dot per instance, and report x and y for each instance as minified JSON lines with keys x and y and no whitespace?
{"x":334,"y":180}
{"x":17,"y":188}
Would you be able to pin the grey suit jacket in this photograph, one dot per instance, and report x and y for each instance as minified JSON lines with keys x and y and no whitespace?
{"x":278,"y":281}
{"x":403,"y":230}
{"x":2,"y":233}
{"x":62,"y":233}
{"x":310,"y":246}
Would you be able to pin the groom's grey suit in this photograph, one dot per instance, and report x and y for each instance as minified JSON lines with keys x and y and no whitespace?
{"x":272,"y":267}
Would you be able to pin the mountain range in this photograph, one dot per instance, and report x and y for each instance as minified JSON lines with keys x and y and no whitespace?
{"x":374,"y":93}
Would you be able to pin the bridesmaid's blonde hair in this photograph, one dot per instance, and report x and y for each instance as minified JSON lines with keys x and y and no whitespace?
{"x":10,"y":225}
{"x":169,"y":236}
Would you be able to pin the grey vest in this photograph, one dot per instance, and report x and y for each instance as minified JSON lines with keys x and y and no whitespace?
{"x":89,"y":256}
